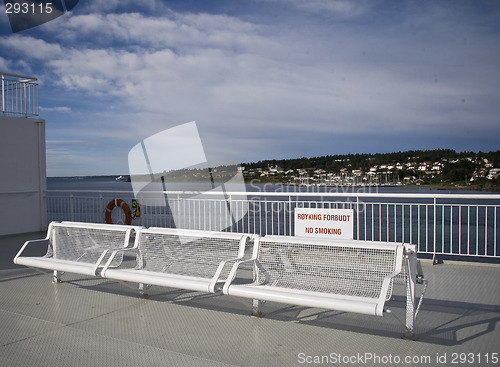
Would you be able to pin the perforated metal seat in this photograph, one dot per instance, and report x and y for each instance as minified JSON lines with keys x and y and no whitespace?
{"x":177,"y":258}
{"x":80,"y":248}
{"x":348,"y":276}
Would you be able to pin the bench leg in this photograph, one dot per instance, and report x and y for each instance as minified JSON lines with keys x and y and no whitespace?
{"x":411,"y":268}
{"x":256,"y":305}
{"x":56,"y":277}
{"x":143,"y":290}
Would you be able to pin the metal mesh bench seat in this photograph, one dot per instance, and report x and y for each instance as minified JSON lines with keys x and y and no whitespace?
{"x":348,"y":276}
{"x":185,"y":259}
{"x":80,"y":248}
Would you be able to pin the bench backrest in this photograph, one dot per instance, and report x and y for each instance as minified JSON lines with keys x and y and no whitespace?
{"x":188,"y":252}
{"x":351,"y":268}
{"x":85,"y":242}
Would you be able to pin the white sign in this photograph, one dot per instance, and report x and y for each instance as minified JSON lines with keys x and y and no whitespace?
{"x":324,"y":223}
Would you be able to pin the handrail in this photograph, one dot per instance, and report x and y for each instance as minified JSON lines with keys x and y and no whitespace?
{"x":299,"y":194}
{"x":19,"y":95}
{"x":27,"y":78}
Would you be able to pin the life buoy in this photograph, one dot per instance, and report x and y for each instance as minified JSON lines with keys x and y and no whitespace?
{"x":123,"y":205}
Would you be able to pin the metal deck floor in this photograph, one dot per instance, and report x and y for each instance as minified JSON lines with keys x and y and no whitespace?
{"x":98,"y":322}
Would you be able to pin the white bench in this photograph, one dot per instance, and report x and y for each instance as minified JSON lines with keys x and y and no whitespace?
{"x":349,"y":276}
{"x":176,"y":258}
{"x":73,"y":247}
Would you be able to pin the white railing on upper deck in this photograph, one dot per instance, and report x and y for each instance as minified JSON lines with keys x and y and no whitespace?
{"x":447,"y":224}
{"x":19,"y":95}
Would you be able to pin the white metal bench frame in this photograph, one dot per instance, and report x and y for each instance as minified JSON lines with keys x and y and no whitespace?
{"x":60,"y":266}
{"x":404,"y":266}
{"x":146,"y":278}
{"x":405,"y":262}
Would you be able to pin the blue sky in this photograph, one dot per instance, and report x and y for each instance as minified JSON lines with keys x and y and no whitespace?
{"x":263,"y":79}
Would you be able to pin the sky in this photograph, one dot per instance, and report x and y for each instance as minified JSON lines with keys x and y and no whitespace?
{"x":263,"y":79}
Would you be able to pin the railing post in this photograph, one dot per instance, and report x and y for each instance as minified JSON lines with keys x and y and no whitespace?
{"x":3,"y":94}
{"x":357,"y":217}
{"x":71,"y":207}
{"x":25,"y":101}
{"x":435,"y":231}
{"x":101,"y":207}
{"x":230,"y":208}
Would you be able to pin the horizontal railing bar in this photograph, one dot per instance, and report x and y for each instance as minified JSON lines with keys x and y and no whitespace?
{"x":89,"y":192}
{"x":300,"y":194}
{"x":28,"y":78}
{"x":20,"y":192}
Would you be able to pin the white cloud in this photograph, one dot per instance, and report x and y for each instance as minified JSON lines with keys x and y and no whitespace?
{"x":250,"y":85}
{"x":181,"y":32}
{"x":96,"y":6}
{"x":342,"y":8}
{"x":61,"y":144}
{"x":217,"y":66}
{"x":31,"y":47}
{"x":4,"y":64}
{"x":55,"y":109}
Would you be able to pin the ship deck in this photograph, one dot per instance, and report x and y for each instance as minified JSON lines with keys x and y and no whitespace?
{"x":97,"y":322}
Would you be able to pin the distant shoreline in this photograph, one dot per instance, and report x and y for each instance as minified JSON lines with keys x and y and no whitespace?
{"x":484,"y":187}
{"x":489,"y":186}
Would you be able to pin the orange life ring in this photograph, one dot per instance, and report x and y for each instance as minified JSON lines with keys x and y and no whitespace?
{"x":123,"y":205}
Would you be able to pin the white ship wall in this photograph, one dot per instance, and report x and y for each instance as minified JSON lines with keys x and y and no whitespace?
{"x":22,"y":175}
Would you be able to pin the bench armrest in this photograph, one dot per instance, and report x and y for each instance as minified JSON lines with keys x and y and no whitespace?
{"x":26,"y":244}
{"x":99,"y":261}
{"x":232,"y":273}
{"x":220,"y":268}
{"x":113,"y":255}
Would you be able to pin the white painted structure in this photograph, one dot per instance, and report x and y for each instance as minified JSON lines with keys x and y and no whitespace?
{"x":23,"y":175}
